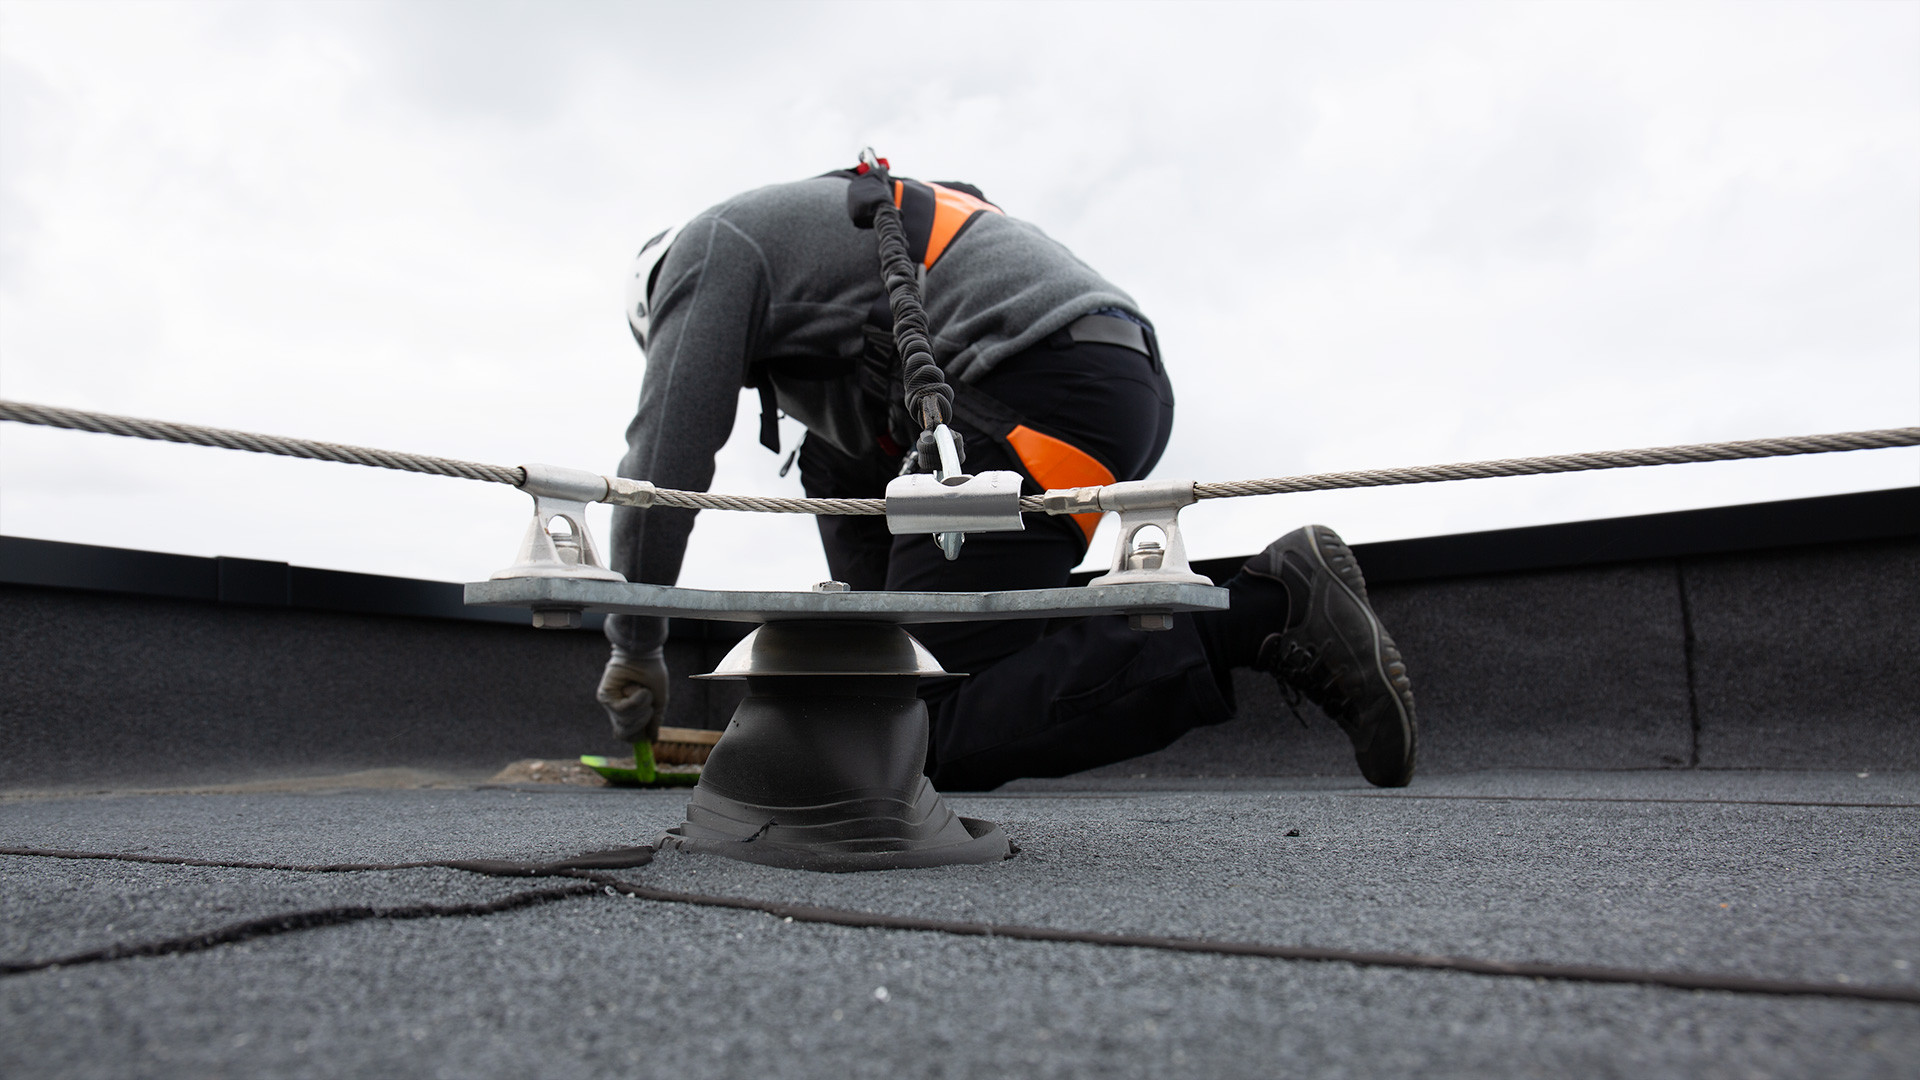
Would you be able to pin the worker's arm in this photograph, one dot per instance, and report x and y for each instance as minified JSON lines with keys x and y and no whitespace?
{"x":707,"y":307}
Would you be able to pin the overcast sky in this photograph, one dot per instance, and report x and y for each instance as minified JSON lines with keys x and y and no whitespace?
{"x":1369,"y":234}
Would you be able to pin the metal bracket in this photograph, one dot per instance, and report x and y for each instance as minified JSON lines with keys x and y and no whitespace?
{"x":562,"y":495}
{"x":1141,"y":504}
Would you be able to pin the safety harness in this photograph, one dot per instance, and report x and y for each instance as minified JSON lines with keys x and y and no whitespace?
{"x":925,"y":221}
{"x":932,"y":216}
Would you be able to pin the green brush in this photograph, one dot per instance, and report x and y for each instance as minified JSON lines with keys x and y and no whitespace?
{"x":642,"y":773}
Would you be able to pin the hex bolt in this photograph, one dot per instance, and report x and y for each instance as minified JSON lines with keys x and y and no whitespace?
{"x":833,"y":586}
{"x":556,"y":618}
{"x":567,"y":546}
{"x":1147,"y":555}
{"x":1150,"y":620}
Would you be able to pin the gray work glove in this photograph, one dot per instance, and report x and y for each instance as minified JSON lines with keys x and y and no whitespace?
{"x":634,"y":691}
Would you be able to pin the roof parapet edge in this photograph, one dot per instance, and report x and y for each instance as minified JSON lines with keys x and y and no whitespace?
{"x":1823,"y":519}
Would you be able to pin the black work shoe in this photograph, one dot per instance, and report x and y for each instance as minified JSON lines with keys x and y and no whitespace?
{"x":1334,"y":651}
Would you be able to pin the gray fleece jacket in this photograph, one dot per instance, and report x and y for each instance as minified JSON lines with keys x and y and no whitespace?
{"x":780,"y":277}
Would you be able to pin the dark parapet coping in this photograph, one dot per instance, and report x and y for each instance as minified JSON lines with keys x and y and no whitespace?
{"x":1823,"y":519}
{"x":1826,"y":519}
{"x":228,"y":580}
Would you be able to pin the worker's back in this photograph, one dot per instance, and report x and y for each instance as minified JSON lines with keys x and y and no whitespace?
{"x":800,"y":286}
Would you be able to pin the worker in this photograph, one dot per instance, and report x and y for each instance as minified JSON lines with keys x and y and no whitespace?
{"x":1059,"y":379}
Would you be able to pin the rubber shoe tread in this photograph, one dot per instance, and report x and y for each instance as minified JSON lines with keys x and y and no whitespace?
{"x":1337,"y":654}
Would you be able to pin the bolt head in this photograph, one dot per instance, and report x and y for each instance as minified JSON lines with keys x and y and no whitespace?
{"x":1148,"y":555}
{"x":1150,"y":621}
{"x":833,"y":586}
{"x":556,"y":618}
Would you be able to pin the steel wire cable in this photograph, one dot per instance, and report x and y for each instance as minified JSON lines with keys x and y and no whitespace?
{"x":770,"y":504}
{"x":228,"y":439}
{"x":167,"y":431}
{"x":1881,"y":439}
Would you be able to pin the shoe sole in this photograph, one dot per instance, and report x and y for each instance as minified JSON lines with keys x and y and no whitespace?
{"x":1386,"y":656}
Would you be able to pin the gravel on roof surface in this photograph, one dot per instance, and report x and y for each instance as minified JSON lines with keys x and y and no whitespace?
{"x":1808,"y":876}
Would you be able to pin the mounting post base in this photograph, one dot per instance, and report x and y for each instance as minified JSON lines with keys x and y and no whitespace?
{"x":820,"y":768}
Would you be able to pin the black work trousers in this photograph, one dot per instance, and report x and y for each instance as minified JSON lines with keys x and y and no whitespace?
{"x":1040,"y":699}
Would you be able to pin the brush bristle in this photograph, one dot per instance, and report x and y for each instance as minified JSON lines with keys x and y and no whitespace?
{"x":683,"y":746}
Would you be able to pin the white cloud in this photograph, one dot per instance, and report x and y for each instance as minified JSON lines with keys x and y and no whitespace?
{"x":1370,"y":234}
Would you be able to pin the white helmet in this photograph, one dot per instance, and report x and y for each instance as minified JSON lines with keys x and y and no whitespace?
{"x":646,"y":266}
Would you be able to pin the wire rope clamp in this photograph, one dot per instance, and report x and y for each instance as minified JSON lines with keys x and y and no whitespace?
{"x":1142,"y":505}
{"x":924,"y":503}
{"x":557,"y":543}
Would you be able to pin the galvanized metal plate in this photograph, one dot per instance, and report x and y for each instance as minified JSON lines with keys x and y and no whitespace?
{"x":630,"y":598}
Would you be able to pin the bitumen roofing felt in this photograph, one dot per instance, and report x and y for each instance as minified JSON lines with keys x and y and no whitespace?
{"x":1799,"y":876}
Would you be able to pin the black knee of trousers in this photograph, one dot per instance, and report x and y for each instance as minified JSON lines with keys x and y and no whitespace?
{"x":1092,"y":694}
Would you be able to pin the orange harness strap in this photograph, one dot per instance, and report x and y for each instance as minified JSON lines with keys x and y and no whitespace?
{"x":938,"y":213}
{"x":1056,"y":464}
